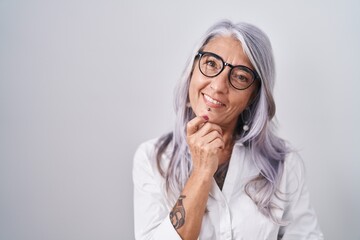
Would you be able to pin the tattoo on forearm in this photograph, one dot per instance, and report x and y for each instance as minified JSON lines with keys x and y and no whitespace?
{"x":177,"y":214}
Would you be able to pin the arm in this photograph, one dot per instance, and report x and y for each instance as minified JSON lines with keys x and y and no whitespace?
{"x":152,"y":218}
{"x":205,"y":141}
{"x":187,"y":214}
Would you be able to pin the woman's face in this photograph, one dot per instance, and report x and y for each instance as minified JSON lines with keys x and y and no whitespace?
{"x":225,"y":102}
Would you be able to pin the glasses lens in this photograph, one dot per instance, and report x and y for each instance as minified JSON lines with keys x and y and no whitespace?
{"x":210,"y":65}
{"x":241,"y":77}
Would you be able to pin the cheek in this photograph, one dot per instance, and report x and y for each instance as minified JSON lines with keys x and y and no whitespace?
{"x":191,"y":91}
{"x":196,"y":84}
{"x":240,"y":102}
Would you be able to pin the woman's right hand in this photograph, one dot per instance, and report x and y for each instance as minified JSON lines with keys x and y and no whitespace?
{"x":205,"y":142}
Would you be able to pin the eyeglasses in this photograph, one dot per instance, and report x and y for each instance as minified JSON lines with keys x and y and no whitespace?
{"x":211,"y":65}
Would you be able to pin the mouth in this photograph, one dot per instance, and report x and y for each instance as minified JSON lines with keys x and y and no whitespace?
{"x":212,"y":102}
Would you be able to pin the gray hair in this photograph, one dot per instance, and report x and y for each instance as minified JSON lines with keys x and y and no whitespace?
{"x":266,"y":150}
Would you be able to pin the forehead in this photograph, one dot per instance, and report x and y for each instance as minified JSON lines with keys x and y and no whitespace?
{"x":229,"y":49}
{"x":223,"y":42}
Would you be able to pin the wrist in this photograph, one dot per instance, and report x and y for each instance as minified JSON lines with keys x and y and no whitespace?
{"x":203,"y":176}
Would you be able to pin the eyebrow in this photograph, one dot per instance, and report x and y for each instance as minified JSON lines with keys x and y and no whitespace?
{"x":233,"y":65}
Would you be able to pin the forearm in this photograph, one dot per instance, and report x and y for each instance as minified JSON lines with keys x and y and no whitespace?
{"x":188,"y":212}
{"x":205,"y":144}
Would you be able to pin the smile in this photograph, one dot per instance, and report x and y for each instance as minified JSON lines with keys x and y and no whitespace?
{"x":212,"y":102}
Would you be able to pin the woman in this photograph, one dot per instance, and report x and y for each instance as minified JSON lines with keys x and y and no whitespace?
{"x":223,"y":173}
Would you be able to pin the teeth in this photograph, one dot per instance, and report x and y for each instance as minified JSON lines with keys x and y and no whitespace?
{"x":212,"y":100}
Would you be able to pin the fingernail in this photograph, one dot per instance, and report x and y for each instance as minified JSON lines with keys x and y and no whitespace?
{"x":206,"y":117}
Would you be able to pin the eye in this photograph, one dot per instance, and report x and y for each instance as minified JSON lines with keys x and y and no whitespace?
{"x":239,"y":76}
{"x":242,"y":78}
{"x":211,"y":63}
{"x":242,"y":75}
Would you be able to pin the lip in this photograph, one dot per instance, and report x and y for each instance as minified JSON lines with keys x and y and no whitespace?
{"x":212,"y":102}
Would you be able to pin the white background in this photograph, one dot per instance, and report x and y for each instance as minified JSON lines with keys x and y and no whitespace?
{"x":83,"y":83}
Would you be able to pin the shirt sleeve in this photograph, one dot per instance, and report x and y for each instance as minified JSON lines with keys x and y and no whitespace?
{"x":151,"y":214}
{"x":300,"y":216}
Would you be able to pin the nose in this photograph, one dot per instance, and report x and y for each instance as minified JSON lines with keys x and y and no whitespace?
{"x":220,"y":83}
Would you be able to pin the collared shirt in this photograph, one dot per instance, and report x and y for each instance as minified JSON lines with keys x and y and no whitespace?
{"x":231,"y":212}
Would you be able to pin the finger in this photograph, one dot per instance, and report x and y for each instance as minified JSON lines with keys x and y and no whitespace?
{"x":211,"y":136}
{"x":209,"y":127}
{"x":194,"y":125}
{"x":217,"y":143}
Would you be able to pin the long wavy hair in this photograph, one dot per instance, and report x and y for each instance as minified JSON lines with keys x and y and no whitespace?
{"x":266,"y":150}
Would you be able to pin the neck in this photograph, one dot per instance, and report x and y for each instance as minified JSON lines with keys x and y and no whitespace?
{"x":229,"y":137}
{"x":227,"y":150}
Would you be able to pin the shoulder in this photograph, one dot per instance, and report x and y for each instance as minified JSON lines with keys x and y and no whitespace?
{"x":145,"y":151}
{"x":145,"y":157}
{"x":147,"y":146}
{"x":143,"y":163}
{"x":294,"y":164}
{"x":293,"y":178}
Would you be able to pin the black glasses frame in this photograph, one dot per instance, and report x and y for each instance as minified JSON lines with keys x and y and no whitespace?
{"x":256,"y":76}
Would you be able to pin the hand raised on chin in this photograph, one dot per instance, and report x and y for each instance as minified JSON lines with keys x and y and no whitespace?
{"x":205,"y":142}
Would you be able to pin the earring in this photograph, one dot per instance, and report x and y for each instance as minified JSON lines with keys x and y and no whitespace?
{"x":188,"y":104}
{"x":246,"y":117}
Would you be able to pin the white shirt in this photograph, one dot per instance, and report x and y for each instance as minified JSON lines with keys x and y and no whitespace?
{"x":231,"y":213}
